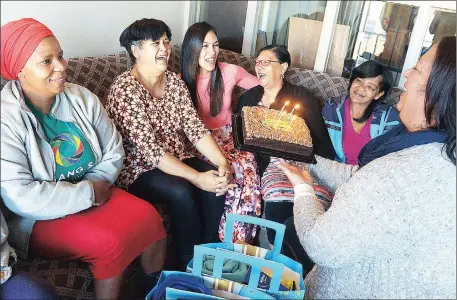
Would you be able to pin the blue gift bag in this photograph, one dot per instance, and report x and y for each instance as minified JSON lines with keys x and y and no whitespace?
{"x":216,"y":283}
{"x":273,"y":255}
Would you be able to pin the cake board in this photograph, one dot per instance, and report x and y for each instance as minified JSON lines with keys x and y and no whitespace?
{"x":238,"y":141}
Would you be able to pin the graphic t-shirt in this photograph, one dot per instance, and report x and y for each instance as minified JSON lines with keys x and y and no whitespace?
{"x":73,"y":154}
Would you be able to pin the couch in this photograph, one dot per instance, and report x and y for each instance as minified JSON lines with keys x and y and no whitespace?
{"x":73,"y":279}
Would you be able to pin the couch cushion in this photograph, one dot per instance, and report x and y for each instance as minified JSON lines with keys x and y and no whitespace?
{"x":97,"y":73}
{"x":71,"y":278}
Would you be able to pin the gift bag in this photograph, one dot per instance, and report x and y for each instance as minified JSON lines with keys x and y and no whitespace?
{"x":181,"y":285}
{"x":292,"y":273}
{"x":216,"y":281}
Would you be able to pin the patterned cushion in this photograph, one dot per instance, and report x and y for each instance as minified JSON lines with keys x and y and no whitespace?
{"x":73,"y":279}
{"x":97,"y":73}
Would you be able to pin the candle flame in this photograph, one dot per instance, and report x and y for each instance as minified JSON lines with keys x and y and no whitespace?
{"x":287,"y":102}
{"x":297,"y":106}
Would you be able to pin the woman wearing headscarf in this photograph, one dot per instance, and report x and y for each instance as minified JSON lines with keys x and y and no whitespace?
{"x":60,"y":157}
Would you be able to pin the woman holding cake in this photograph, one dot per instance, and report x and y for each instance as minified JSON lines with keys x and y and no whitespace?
{"x":273,"y":91}
{"x":211,"y":85}
{"x":392,"y":220}
{"x":153,"y":110}
{"x":60,"y":156}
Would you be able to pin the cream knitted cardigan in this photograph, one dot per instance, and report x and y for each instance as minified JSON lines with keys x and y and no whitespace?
{"x":391,"y":229}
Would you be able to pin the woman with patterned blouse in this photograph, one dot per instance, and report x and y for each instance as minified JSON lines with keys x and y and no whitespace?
{"x":153,"y":110}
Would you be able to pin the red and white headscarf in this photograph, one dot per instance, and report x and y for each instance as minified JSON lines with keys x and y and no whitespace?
{"x":18,"y":41}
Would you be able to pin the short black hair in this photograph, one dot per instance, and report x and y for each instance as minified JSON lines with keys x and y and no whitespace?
{"x":372,"y":69}
{"x":440,"y":94}
{"x":143,"y":30}
{"x":281,"y":52}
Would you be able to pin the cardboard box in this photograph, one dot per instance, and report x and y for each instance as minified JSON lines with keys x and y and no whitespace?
{"x":304,"y":36}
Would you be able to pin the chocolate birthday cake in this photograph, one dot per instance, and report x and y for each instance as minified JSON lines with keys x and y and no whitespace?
{"x":266,"y":129}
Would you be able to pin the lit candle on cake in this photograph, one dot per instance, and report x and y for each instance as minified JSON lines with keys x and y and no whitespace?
{"x":285,"y":104}
{"x":290,"y":114}
{"x":279,"y":119}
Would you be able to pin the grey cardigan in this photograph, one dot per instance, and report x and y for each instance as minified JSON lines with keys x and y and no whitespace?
{"x":391,"y":229}
{"x":28,"y":186}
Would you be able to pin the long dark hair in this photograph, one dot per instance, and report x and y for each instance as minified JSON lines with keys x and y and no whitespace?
{"x":372,"y":69}
{"x":142,"y":30}
{"x":440,"y":94}
{"x":190,"y":53}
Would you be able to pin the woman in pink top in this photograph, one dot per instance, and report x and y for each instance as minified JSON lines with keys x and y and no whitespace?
{"x":211,"y":84}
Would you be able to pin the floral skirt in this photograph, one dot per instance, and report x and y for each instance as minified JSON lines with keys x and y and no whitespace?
{"x":244,"y":199}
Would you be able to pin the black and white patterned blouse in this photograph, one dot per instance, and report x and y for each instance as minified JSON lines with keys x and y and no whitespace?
{"x":151,"y":127}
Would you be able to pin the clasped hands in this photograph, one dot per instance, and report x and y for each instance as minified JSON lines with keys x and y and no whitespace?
{"x":219,"y":181}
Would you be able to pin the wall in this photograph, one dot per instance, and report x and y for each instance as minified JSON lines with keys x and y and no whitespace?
{"x":92,"y":28}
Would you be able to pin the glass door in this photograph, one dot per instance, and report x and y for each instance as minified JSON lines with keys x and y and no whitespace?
{"x":384,"y":36}
{"x":394,"y":33}
{"x":295,"y":24}
{"x":228,"y":17}
{"x":440,"y":24}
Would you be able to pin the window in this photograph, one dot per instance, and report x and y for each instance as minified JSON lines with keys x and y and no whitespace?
{"x":380,"y":31}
